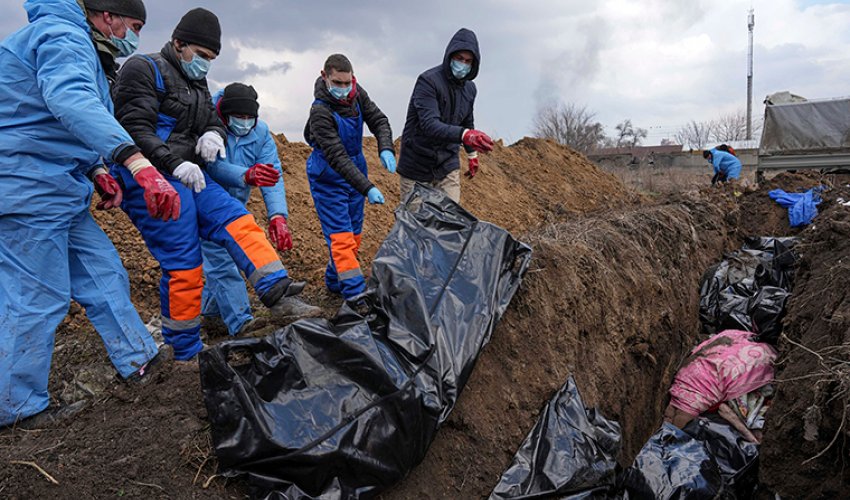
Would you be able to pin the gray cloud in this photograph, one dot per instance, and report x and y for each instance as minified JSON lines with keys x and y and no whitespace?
{"x":532,"y":52}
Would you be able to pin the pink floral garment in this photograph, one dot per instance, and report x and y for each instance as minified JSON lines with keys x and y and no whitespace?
{"x":724,"y":367}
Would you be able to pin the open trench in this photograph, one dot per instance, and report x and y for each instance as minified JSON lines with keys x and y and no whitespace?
{"x":612,"y":298}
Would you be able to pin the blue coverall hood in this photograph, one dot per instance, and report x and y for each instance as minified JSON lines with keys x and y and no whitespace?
{"x":69,"y":10}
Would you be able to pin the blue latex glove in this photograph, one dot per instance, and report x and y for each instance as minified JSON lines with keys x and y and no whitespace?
{"x":388,"y":159}
{"x":375,"y":196}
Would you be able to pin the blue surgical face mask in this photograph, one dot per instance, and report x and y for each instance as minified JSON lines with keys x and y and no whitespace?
{"x":339,"y":92}
{"x":460,"y":70}
{"x":127,"y":45}
{"x":197,"y":68}
{"x":241,"y":126}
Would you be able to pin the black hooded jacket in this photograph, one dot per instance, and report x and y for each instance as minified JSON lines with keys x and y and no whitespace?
{"x":322,"y":132}
{"x":440,"y":109}
{"x":188,"y":101}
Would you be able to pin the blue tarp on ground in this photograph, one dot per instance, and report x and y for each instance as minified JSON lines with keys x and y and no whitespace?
{"x":802,"y":207}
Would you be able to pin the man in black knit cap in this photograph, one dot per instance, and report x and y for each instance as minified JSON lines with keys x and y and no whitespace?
{"x":164,"y":103}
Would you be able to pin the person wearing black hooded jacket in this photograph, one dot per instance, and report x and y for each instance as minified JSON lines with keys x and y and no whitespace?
{"x":336,"y":169}
{"x":440,"y":118}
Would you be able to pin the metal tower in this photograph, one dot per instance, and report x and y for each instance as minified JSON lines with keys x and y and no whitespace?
{"x":751,"y":23}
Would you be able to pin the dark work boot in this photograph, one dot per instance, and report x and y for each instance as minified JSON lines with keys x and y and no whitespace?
{"x":282,"y":301}
{"x":294,"y":308}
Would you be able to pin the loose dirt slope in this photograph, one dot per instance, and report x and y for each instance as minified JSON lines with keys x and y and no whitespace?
{"x":806,"y":451}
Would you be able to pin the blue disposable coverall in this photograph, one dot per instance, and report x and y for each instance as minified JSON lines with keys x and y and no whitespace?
{"x":725,"y":164}
{"x":225,"y":294}
{"x":55,"y":124}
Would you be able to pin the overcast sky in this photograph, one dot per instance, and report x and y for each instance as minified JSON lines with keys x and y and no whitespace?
{"x":659,"y":62}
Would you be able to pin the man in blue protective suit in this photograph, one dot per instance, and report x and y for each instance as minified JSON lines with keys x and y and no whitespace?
{"x":336,"y":169}
{"x":727,"y":167}
{"x":56,"y":127}
{"x":251,"y":161}
{"x":440,"y":118}
{"x":163,"y":101}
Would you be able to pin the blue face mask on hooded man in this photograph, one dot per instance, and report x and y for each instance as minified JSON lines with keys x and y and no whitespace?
{"x":460,"y":69}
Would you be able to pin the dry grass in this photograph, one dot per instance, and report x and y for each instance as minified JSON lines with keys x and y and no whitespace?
{"x":666,"y":180}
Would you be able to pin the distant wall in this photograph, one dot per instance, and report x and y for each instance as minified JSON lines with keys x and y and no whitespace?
{"x":685,"y":159}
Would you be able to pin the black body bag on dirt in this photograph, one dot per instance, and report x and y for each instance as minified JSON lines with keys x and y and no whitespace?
{"x":748,"y":289}
{"x":346,"y":408}
{"x":571,"y":453}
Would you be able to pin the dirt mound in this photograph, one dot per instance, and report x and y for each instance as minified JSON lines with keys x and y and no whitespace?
{"x":611,"y":299}
{"x":518,"y":187}
{"x":805,"y":451}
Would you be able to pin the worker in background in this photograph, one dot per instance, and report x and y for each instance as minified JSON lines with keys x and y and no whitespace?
{"x":440,"y":119}
{"x":336,"y":169}
{"x":727,"y":167}
{"x":164,"y":103}
{"x":251,"y":161}
{"x":57,"y":128}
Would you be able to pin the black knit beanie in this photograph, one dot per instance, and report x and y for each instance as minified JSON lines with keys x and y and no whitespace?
{"x":201,"y":27}
{"x":239,"y":99}
{"x":128,"y":8}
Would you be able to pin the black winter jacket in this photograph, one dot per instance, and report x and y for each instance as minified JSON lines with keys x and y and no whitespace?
{"x":322,"y":132}
{"x":137,"y":105}
{"x":440,"y":109}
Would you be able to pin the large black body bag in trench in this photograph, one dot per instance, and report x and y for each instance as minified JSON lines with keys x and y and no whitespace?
{"x":346,"y":408}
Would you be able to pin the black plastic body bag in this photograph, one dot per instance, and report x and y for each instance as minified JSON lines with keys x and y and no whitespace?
{"x":346,"y":408}
{"x":571,"y":453}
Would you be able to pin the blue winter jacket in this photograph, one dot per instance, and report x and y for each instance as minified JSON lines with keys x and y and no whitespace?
{"x":243,"y":153}
{"x":725,"y":164}
{"x":55,"y":108}
{"x":441,"y":107}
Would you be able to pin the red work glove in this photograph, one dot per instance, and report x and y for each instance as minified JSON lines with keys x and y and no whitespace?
{"x":262,"y":175}
{"x":279,"y":233}
{"x":162,"y":199}
{"x":473,"y":167}
{"x":109,"y":190}
{"x":478,"y":141}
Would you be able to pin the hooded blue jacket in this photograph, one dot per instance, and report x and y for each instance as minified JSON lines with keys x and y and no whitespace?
{"x":242,"y":153}
{"x":55,"y":111}
{"x":441,"y":107}
{"x":725,"y":164}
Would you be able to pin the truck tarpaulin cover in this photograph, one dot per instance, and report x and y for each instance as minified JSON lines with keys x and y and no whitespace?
{"x":345,"y":408}
{"x":748,"y":290}
{"x":708,"y":459}
{"x":821,"y":126}
{"x":570,"y":453}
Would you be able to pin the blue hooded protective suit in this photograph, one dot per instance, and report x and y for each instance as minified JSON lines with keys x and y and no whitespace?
{"x":55,"y":124}
{"x":725,"y":164}
{"x":225,"y":294}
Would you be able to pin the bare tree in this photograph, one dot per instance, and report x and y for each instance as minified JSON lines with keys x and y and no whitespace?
{"x":695,"y":135}
{"x":628,"y":135}
{"x":668,"y":142}
{"x":731,"y":127}
{"x":571,"y":125}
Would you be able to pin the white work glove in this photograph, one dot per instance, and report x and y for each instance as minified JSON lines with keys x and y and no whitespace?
{"x":191,"y":176}
{"x":209,"y":146}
